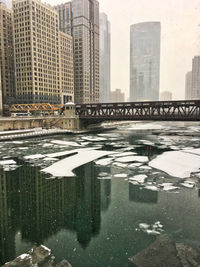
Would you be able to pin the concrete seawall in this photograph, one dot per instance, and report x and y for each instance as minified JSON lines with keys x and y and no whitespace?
{"x":23,"y":123}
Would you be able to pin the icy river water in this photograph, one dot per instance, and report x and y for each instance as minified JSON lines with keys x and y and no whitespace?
{"x":108,"y":200}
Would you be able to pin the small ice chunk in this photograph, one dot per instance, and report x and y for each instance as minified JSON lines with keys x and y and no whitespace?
{"x":152,"y":232}
{"x":151,"y":187}
{"x":7,"y":162}
{"x":133,"y":158}
{"x":36,"y":156}
{"x":188,"y":184}
{"x":104,"y":178}
{"x":134,"y":165}
{"x":144,"y":226}
{"x":145,"y":168}
{"x":139,"y":178}
{"x":120,"y":175}
{"x":64,"y":143}
{"x":104,"y":162}
{"x":120,"y":165}
{"x":102,"y":174}
{"x":50,"y":159}
{"x":170,"y":188}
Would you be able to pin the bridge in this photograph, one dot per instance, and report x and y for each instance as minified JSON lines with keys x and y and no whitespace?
{"x":157,"y":110}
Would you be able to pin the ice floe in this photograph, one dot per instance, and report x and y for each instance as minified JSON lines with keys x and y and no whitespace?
{"x":146,"y":126}
{"x":153,"y":229}
{"x":120,"y":175}
{"x":152,"y":187}
{"x":177,"y":163}
{"x":65,"y":167}
{"x":139,"y":178}
{"x":134,"y":165}
{"x":145,"y":168}
{"x":7,"y":162}
{"x":188,"y":184}
{"x":104,"y":162}
{"x":94,"y":139}
{"x":36,"y":156}
{"x":132,"y":158}
{"x":65,"y":143}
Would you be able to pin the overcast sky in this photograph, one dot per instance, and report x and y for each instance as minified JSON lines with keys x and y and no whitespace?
{"x":180,"y":40}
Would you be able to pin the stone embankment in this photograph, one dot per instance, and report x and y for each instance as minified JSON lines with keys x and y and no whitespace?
{"x":166,"y":253}
{"x":39,"y":256}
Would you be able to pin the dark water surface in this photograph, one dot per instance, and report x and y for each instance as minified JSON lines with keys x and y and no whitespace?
{"x":94,"y":222}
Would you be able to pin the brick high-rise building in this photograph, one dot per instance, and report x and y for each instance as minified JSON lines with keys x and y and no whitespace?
{"x":7,"y":54}
{"x":66,"y":68}
{"x":104,"y":58}
{"x":36,"y":29}
{"x":84,"y":19}
{"x":145,"y":61}
{"x":65,"y":17}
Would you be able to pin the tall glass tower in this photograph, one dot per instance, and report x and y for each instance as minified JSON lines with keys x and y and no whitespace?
{"x":145,"y":61}
{"x":104,"y":58}
{"x":80,"y":18}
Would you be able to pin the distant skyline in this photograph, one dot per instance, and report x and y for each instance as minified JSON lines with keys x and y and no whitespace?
{"x":180,"y":40}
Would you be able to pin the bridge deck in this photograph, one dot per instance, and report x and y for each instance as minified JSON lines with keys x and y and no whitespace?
{"x":157,"y":110}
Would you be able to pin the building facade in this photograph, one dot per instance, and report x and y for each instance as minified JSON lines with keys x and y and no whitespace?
{"x":36,"y":29}
{"x":65,"y":17}
{"x":166,"y":96}
{"x":145,"y":61}
{"x":1,"y":99}
{"x":117,"y":96}
{"x":85,"y":32}
{"x":188,"y":86}
{"x":66,"y":68}
{"x":7,"y":54}
{"x":196,"y":78}
{"x":105,"y":60}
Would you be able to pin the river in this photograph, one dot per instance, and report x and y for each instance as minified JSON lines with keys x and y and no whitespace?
{"x":112,"y":209}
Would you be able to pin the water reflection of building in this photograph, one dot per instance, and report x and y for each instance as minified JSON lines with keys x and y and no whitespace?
{"x":105,"y":194}
{"x":47,"y":205}
{"x":88,"y":204}
{"x":142,"y":195}
{"x":8,"y":222}
{"x":39,"y":207}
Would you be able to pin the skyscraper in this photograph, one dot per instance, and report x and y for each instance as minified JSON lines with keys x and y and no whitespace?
{"x":196,"y":78}
{"x":166,"y":96}
{"x":65,"y":17}
{"x":104,"y":58}
{"x":145,"y":61}
{"x":188,"y":86}
{"x":85,"y":32}
{"x":1,"y":100}
{"x":66,"y":68}
{"x":117,"y":96}
{"x":37,"y":52}
{"x":7,"y":54}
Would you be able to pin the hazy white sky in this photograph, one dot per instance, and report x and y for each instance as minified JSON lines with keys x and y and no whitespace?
{"x":180,"y":40}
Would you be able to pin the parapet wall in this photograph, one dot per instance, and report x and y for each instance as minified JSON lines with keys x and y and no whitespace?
{"x":19,"y":123}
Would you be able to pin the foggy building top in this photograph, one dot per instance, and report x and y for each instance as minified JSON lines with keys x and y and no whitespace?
{"x":145,"y":61}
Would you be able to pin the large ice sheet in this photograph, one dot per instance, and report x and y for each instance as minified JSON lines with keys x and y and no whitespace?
{"x":177,"y":163}
{"x":65,"y":167}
